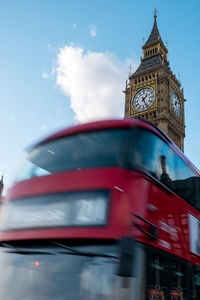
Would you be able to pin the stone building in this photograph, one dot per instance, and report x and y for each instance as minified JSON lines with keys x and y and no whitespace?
{"x":154,"y":93}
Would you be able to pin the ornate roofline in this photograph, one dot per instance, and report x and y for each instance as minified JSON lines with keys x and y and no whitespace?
{"x":154,"y":36}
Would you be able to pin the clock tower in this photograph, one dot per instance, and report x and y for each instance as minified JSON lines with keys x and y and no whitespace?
{"x":153,"y":92}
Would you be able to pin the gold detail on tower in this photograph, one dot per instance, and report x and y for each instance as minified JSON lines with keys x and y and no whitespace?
{"x":167,"y":109}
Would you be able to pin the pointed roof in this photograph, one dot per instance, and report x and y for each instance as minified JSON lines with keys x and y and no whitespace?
{"x":156,"y":59}
{"x":154,"y":35}
{"x":1,"y":181}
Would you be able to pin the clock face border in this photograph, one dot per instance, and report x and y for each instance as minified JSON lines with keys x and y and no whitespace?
{"x":151,"y":106}
{"x":174,"y":101}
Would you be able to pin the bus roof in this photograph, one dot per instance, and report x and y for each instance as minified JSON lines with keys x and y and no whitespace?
{"x":105,"y":124}
{"x":115,"y":123}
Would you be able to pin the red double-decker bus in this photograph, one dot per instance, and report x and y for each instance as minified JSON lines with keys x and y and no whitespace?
{"x":104,"y":210}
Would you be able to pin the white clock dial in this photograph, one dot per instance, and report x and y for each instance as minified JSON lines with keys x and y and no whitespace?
{"x":143,"y":99}
{"x":175,"y":103}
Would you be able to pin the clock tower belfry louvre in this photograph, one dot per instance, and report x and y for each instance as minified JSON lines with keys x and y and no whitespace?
{"x":153,"y":92}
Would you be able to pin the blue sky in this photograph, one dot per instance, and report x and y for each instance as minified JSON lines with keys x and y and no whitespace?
{"x":62,"y":62}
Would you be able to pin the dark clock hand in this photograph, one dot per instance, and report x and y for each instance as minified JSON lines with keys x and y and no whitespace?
{"x":143,"y":99}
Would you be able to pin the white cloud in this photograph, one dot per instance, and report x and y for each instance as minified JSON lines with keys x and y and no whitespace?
{"x":93,"y":81}
{"x":93,"y":30}
{"x":45,"y":75}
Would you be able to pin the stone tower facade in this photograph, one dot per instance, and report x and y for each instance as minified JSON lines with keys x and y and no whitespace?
{"x":153,"y":92}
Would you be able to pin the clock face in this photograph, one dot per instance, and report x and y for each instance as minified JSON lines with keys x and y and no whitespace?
{"x":143,"y":99}
{"x":176,"y":105}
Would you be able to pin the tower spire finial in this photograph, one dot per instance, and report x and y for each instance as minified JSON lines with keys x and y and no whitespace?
{"x":130,"y":70}
{"x":155,"y":13}
{"x":1,"y":180}
{"x":1,"y":186}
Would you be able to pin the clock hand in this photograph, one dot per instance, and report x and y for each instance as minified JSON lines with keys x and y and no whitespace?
{"x":143,"y":99}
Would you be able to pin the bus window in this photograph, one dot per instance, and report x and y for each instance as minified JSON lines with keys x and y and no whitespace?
{"x":80,"y":151}
{"x":154,"y":278}
{"x":166,"y":278}
{"x":156,"y":156}
{"x":145,"y":152}
{"x":166,"y":163}
{"x":196,"y":282}
{"x":187,"y":183}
